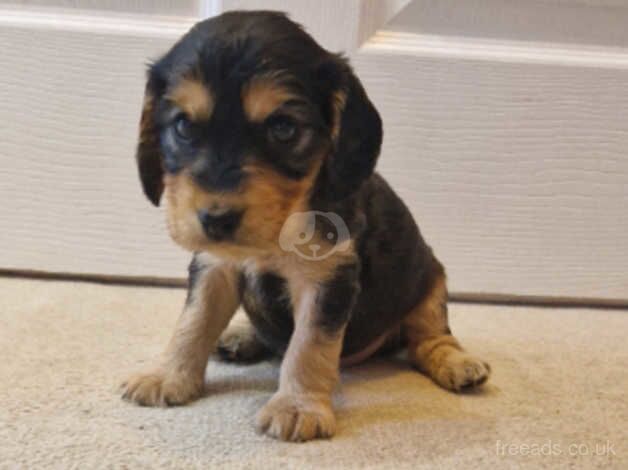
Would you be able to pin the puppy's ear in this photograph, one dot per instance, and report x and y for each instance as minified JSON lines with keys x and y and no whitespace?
{"x":356,"y":131}
{"x":148,"y":155}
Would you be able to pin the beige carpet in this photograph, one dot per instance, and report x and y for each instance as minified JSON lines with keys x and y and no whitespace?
{"x":557,"y":398}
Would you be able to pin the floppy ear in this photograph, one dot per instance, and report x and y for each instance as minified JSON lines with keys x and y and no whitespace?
{"x":148,"y":155}
{"x":356,"y":131}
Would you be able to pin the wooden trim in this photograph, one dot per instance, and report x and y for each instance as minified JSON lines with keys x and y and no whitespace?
{"x":455,"y":297}
{"x":209,"y":8}
{"x":375,"y":14}
{"x":93,"y":277}
{"x":426,"y":45}
{"x":113,"y":23}
{"x":339,"y":26}
{"x":537,"y":300}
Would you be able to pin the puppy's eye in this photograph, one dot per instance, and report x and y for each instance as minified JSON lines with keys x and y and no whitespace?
{"x":283,"y":129}
{"x":184,"y":129}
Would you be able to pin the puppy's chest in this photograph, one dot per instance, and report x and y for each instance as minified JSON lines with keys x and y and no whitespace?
{"x":274,"y":283}
{"x":273,"y":292}
{"x":267,"y":302}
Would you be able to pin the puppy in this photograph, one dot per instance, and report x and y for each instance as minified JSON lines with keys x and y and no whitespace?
{"x":264,"y":147}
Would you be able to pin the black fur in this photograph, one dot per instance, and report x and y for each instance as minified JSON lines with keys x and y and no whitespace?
{"x":148,"y":155}
{"x":194,"y":271}
{"x":337,"y":298}
{"x":395,"y":268}
{"x":266,"y":301}
{"x":357,"y":148}
{"x":227,"y":51}
{"x":398,"y":268}
{"x":219,"y":227}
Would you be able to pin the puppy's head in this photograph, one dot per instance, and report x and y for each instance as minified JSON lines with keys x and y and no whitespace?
{"x":243,"y":120}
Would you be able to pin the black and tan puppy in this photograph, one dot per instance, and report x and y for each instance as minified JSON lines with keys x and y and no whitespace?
{"x":260,"y":139}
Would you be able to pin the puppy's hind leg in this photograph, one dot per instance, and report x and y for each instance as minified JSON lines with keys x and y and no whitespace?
{"x":433,"y":349}
{"x":239,"y":343}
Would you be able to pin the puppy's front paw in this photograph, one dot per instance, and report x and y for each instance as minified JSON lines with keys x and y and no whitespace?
{"x":296,"y":418}
{"x":460,"y":371}
{"x":161,"y":388}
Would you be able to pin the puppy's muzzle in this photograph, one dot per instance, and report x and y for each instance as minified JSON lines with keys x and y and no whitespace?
{"x":219,"y":226}
{"x":213,"y":174}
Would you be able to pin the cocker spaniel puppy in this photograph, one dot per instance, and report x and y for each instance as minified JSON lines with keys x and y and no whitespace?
{"x":264,"y":146}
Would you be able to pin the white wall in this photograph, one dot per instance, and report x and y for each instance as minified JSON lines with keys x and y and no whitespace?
{"x":506,"y":136}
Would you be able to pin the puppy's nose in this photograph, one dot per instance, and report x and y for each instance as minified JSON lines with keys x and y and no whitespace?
{"x":219,"y":226}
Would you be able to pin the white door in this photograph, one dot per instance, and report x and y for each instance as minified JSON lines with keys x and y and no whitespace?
{"x":505,"y":132}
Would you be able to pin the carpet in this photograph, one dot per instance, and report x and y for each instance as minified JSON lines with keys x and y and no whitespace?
{"x":557,"y":397}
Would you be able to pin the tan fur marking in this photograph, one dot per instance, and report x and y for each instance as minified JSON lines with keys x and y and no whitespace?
{"x":311,"y":361}
{"x":267,"y":197}
{"x":178,"y":377}
{"x":239,"y":343}
{"x":301,"y":409}
{"x":339,"y":101}
{"x":194,"y":98}
{"x":271,"y":198}
{"x":428,"y":319}
{"x":425,"y":328}
{"x":436,"y":352}
{"x":262,"y":95}
{"x":316,"y":270}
